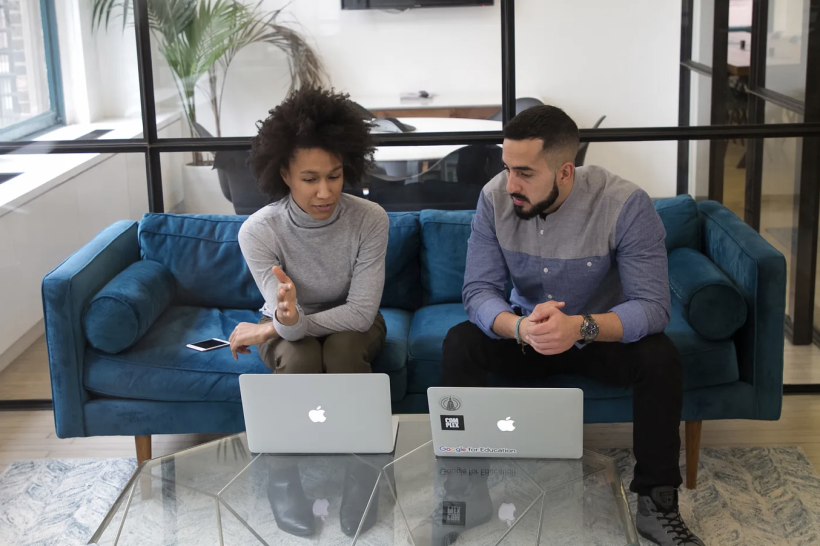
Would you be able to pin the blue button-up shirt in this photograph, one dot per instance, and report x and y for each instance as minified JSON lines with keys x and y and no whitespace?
{"x":603,"y":250}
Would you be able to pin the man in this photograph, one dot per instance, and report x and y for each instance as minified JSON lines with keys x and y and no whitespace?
{"x":585,"y":252}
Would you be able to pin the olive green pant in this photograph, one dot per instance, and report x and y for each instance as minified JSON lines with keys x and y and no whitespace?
{"x":342,"y":352}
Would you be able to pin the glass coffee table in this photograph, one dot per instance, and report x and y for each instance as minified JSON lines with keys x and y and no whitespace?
{"x":222,"y":494}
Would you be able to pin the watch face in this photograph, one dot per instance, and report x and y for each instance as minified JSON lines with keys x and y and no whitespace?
{"x":589,"y":330}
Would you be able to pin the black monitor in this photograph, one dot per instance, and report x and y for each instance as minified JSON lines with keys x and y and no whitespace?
{"x":405,"y":4}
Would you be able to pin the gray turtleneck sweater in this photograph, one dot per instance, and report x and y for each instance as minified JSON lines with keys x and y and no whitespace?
{"x":337,"y":265}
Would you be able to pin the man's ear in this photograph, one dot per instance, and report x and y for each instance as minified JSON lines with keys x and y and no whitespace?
{"x":566,"y":173}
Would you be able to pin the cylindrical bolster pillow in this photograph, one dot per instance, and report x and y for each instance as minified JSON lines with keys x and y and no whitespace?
{"x":128,"y":305}
{"x":712,"y":304}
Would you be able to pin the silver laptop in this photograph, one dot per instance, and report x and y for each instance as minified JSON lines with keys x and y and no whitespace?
{"x":494,"y":422}
{"x":318,"y":413}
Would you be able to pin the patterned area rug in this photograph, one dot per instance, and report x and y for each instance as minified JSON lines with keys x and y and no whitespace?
{"x":745,"y":496}
{"x":58,"y":501}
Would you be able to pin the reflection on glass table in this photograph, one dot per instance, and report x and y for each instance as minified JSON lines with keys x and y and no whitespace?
{"x":222,"y":494}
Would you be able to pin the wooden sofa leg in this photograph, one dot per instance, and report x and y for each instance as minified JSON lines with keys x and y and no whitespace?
{"x":144,"y":448}
{"x":693,"y":429}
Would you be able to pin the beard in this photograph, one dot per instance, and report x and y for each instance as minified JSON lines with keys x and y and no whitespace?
{"x":538,"y":208}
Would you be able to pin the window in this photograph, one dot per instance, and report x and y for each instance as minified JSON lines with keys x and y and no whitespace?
{"x":30,"y":83}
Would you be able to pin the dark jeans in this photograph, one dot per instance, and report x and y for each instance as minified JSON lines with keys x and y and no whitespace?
{"x":650,"y":366}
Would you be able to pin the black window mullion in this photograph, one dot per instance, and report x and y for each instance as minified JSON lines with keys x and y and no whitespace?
{"x":757,"y":110}
{"x":507,"y":60}
{"x":684,"y":94}
{"x":720,"y":92}
{"x":149,"y":111}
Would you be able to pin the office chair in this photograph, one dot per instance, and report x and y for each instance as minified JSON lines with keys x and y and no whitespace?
{"x":520,"y":105}
{"x":582,"y":149}
{"x":390,"y":125}
{"x":236,"y":180}
{"x":452,"y":183}
{"x":384,"y":124}
{"x":363,"y":112}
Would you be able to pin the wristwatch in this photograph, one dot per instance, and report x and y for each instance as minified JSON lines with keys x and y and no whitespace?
{"x":589,"y":330}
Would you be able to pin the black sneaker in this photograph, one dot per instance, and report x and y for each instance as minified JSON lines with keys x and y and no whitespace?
{"x":659,"y":520}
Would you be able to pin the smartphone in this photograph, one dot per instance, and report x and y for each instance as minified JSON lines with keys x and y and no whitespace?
{"x":208,"y":344}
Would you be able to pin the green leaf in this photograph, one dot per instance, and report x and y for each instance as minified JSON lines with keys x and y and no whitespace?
{"x":195,"y":36}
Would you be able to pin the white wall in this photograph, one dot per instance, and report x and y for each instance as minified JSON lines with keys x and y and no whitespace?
{"x":82,"y":88}
{"x":591,"y":57}
{"x":596,"y":57}
{"x":373,"y":53}
{"x":99,"y":68}
{"x":740,"y":13}
{"x":37,"y":236}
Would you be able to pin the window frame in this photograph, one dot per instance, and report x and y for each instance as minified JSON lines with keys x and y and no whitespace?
{"x":55,"y":115}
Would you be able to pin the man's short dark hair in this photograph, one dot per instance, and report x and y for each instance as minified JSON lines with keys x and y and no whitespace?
{"x":553,"y":126}
{"x":310,"y":118}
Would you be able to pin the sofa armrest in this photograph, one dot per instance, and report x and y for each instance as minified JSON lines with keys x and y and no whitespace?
{"x":66,"y":293}
{"x":759,"y":271}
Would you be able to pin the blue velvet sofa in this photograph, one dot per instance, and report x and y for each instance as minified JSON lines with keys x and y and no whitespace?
{"x":158,"y":386}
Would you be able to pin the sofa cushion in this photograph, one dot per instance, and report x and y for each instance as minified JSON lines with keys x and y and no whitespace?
{"x":202,"y":252}
{"x":402,"y":278}
{"x":705,"y":363}
{"x":444,"y":235}
{"x":394,"y":353}
{"x":160,"y":367}
{"x":710,"y":302}
{"x":427,"y":332}
{"x":680,"y":218}
{"x":128,"y":305}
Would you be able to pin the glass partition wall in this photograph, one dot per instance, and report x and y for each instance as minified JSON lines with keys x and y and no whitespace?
{"x":717,"y":99}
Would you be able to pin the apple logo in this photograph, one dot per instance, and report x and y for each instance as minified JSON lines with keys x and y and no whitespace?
{"x":506,"y":425}
{"x":320,"y":508}
{"x":506,"y":513}
{"x":317,"y":415}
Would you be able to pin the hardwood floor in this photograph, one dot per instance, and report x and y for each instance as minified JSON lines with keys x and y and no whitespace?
{"x":801,"y":364}
{"x":27,"y":378}
{"x":31,"y":434}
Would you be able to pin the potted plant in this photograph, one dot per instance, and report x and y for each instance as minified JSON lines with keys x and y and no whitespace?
{"x":199,"y":39}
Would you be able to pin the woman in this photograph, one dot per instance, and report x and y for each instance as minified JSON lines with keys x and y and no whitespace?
{"x":317,"y":254}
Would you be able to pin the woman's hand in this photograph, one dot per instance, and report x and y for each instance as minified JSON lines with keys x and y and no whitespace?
{"x":286,"y":312}
{"x":246,"y":334}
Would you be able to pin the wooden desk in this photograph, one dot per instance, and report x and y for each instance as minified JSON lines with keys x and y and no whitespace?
{"x":432,"y":125}
{"x":438,"y":106}
{"x":782,"y":52}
